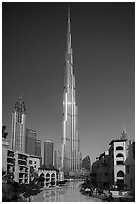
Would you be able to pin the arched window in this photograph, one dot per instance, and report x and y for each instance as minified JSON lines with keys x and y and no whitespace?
{"x":42,"y":174}
{"x":120,"y":174}
{"x":119,"y":163}
{"x":47,"y":175}
{"x":52,"y":175}
{"x":119,"y":155}
{"x":119,"y":148}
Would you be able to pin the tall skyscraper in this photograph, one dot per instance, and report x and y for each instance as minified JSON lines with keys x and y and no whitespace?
{"x":18,"y":126}
{"x":48,"y":154}
{"x":38,"y":148}
{"x":57,"y":159}
{"x":70,"y":141}
{"x":30,"y":146}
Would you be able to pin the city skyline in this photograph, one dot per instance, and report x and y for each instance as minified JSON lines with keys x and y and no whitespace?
{"x":34,"y":43}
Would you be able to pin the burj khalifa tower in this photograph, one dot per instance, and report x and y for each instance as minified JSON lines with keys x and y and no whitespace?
{"x":70,"y":140}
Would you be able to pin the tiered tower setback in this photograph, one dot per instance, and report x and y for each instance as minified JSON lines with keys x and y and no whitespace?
{"x":70,"y":140}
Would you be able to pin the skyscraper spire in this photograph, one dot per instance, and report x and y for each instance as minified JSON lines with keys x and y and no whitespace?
{"x":69,"y":50}
{"x":68,"y":14}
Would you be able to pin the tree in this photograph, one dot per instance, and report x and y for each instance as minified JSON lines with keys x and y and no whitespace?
{"x":41,"y":180}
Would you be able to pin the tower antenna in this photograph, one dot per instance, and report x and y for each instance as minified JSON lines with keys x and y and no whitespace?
{"x":68,"y":14}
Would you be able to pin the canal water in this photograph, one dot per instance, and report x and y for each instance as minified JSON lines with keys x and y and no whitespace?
{"x":69,"y":193}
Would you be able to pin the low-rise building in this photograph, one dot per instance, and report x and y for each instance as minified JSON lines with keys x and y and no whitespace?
{"x":60,"y":175}
{"x":109,"y":169}
{"x":100,"y":171}
{"x":22,"y":171}
{"x":117,"y":153}
{"x":35,"y":162}
{"x":16,"y":164}
{"x":49,"y":175}
{"x":130,"y":166}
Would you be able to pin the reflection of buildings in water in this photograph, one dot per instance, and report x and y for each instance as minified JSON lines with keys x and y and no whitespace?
{"x":53,"y":195}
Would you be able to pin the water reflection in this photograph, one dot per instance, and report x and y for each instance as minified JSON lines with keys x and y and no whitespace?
{"x":54,"y":195}
{"x":69,"y":193}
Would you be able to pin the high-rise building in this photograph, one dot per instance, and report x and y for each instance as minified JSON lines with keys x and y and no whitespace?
{"x":70,"y":140}
{"x":30,"y":146}
{"x":48,"y":154}
{"x":57,"y":159}
{"x":38,"y":148}
{"x":18,"y":126}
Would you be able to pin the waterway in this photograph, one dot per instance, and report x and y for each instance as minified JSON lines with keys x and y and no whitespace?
{"x":69,"y":193}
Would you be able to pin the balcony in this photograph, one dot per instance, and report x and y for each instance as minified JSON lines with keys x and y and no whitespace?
{"x":22,"y":157}
{"x":22,"y":163}
{"x":10,"y":154}
{"x":21,"y":175}
{"x":11,"y":161}
{"x":22,"y":171}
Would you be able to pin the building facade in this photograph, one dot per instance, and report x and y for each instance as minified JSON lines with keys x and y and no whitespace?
{"x":118,"y":155}
{"x":57,"y":159}
{"x":18,"y":126}
{"x":70,"y":140}
{"x":111,"y":169}
{"x":51,"y":176}
{"x":130,"y":166}
{"x":35,"y":162}
{"x":48,"y":154}
{"x":21,"y":171}
{"x":16,"y":164}
{"x":38,"y":148}
{"x":30,"y":142}
{"x":100,"y":171}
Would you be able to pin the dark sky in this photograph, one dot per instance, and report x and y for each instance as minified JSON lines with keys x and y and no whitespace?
{"x":33,"y":55}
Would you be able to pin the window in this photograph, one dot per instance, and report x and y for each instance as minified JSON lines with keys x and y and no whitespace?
{"x":119,"y":163}
{"x":30,"y":161}
{"x":47,"y":175}
{"x":119,"y":155}
{"x":127,"y":169}
{"x":42,"y":175}
{"x":35,"y":162}
{"x":120,"y":174}
{"x":35,"y":166}
{"x":119,"y":148}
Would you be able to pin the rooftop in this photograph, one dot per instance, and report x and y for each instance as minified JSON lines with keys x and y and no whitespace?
{"x":118,"y":140}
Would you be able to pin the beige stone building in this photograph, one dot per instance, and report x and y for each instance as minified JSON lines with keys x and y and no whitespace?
{"x":51,"y":176}
{"x":117,"y":154}
{"x":130,"y":166}
{"x":114,"y":168}
{"x":35,"y":162}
